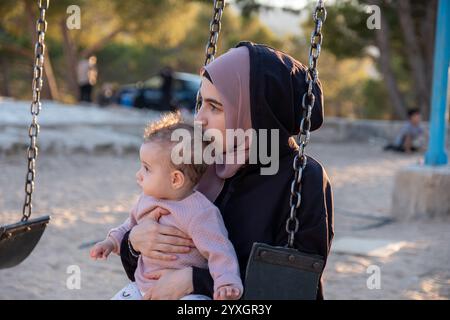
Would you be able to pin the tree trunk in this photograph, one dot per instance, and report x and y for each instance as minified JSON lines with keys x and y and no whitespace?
{"x":414,"y":55}
{"x":48,"y":71}
{"x":71,"y":60}
{"x":5,"y":90}
{"x":382,"y":40}
{"x":50,"y":84}
{"x":428,"y":29}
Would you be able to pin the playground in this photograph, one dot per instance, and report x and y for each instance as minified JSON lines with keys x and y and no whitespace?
{"x":88,"y":192}
{"x":385,"y":220}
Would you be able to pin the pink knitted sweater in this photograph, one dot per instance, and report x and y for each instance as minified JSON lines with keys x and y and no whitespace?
{"x":198,"y":217}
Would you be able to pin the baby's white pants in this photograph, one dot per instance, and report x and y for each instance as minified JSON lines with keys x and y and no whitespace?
{"x":131,"y":292}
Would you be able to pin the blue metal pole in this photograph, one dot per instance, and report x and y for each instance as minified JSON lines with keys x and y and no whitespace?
{"x":436,"y":154}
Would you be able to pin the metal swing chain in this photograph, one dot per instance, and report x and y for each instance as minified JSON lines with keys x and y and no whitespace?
{"x":33,"y":131}
{"x":308,"y":100}
{"x":211,"y":47}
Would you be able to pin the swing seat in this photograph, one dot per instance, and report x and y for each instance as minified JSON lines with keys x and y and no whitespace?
{"x":19,"y":239}
{"x":280,"y":273}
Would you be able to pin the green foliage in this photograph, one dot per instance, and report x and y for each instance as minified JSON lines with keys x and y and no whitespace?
{"x":376,"y":100}
{"x":346,"y":34}
{"x":150,"y":34}
{"x":133,"y":40}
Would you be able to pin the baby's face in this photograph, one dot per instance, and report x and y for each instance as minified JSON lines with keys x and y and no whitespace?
{"x":154,"y":175}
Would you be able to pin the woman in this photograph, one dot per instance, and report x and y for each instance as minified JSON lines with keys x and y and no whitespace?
{"x":251,"y":86}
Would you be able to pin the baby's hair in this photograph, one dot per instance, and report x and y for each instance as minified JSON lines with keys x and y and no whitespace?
{"x":160,"y":131}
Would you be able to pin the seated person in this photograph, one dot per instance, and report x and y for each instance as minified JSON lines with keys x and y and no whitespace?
{"x":411,"y":137}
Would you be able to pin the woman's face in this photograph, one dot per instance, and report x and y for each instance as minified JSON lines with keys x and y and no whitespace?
{"x":211,"y":114}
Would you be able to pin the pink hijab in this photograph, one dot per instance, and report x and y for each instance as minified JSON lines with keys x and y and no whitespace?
{"x":230,"y":74}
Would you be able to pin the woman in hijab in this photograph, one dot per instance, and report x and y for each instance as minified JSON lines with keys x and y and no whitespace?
{"x":252,"y":86}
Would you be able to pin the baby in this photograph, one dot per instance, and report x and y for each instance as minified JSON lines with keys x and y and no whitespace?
{"x":171,"y":187}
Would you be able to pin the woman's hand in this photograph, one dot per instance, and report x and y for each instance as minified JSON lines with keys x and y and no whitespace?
{"x":172,"y":284}
{"x":157,"y":241}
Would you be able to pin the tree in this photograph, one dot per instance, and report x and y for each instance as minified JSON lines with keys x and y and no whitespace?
{"x":405,"y":44}
{"x":144,"y":21}
{"x":138,"y":37}
{"x":28,"y":18}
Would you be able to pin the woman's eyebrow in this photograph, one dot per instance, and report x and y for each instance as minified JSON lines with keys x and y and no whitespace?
{"x":211,"y":100}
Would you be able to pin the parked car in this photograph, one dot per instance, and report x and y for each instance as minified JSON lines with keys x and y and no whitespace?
{"x":148,"y":94}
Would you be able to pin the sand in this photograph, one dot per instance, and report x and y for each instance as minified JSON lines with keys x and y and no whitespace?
{"x":86,"y":182}
{"x":86,"y":194}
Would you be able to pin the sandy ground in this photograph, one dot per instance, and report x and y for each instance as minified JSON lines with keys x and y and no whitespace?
{"x":88,"y":194}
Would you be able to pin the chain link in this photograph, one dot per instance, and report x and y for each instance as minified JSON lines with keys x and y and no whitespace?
{"x":211,"y":47}
{"x":308,"y":100}
{"x":36,"y":85}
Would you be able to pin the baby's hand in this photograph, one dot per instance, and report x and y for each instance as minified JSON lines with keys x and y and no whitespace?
{"x":102,"y":249}
{"x":227,"y":293}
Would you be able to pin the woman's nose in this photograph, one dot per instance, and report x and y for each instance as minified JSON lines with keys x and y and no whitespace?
{"x":200,"y":118}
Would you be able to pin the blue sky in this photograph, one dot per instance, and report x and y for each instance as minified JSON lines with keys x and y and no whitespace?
{"x":296,"y":4}
{"x":283,"y":22}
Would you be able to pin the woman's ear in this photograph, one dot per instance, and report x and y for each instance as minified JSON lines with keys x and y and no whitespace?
{"x":177,"y":179}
